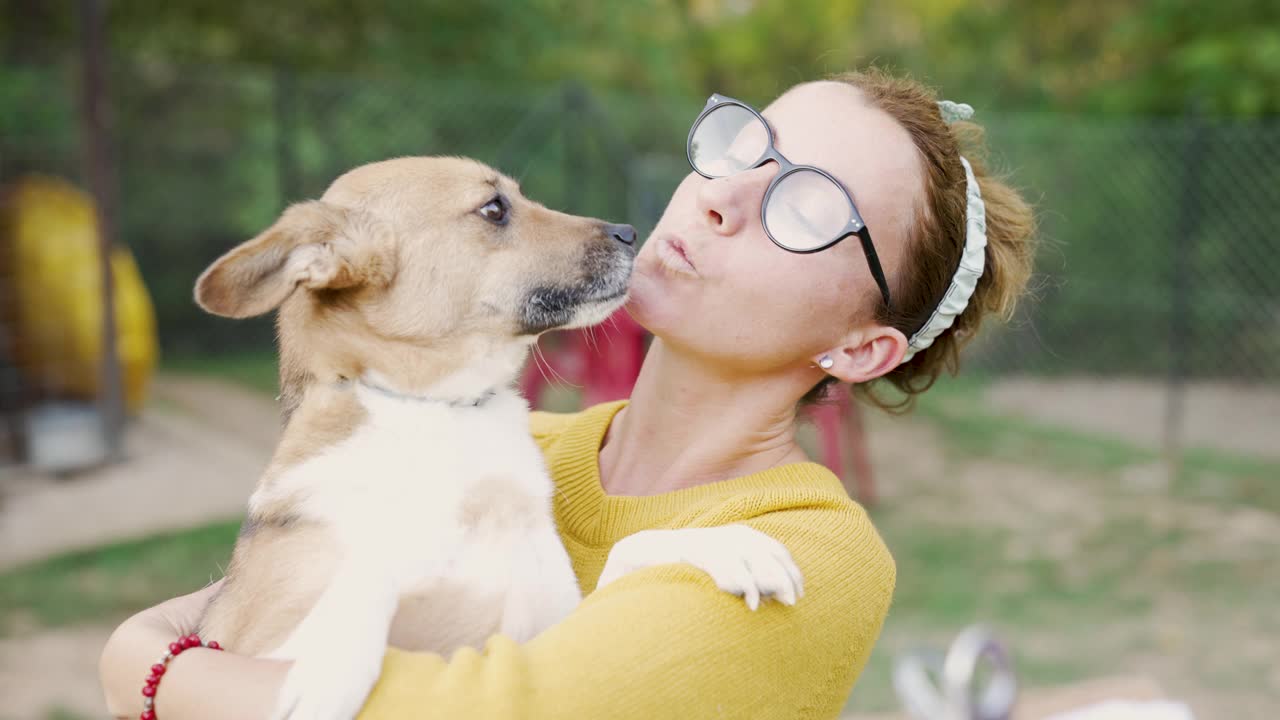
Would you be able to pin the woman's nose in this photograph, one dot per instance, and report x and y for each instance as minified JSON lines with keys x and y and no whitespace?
{"x":729,"y":203}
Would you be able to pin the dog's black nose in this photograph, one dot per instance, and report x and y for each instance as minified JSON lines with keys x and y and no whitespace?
{"x":624,"y":234}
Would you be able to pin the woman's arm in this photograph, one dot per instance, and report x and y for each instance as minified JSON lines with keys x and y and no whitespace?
{"x":665,"y":642}
{"x":199,"y":684}
{"x":660,"y":642}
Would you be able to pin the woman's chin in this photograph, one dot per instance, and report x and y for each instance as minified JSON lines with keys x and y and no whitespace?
{"x":650,"y":303}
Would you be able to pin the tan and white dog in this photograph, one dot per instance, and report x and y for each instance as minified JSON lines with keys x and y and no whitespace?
{"x":406,"y":502}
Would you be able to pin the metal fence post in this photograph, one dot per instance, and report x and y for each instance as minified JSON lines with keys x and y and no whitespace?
{"x":99,"y":174}
{"x":1185,"y":237}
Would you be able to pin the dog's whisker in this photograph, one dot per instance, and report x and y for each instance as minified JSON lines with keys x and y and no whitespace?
{"x":605,"y":327}
{"x":556,"y":378}
{"x":564,"y":381}
{"x":538,"y":361}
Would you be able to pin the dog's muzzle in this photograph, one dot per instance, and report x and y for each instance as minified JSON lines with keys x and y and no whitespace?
{"x":606,"y":273}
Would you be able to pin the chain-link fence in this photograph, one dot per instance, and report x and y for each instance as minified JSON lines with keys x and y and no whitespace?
{"x":1159,"y":259}
{"x":1159,"y":255}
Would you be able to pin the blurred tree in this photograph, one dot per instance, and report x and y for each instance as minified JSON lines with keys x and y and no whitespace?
{"x":227,"y":109}
{"x":1108,"y":56}
{"x":1100,"y":56}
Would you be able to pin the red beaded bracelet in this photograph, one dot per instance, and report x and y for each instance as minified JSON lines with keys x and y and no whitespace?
{"x":157,"y":670}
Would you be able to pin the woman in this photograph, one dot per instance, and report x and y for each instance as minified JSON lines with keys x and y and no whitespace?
{"x":756,"y":304}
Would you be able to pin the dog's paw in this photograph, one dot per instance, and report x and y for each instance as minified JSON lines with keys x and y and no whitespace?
{"x":740,"y":560}
{"x":326,"y":685}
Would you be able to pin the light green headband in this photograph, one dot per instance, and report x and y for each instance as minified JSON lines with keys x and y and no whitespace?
{"x":972,"y":260}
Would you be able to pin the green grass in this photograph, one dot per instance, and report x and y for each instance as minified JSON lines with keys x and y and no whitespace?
{"x":113,"y":581}
{"x":60,"y":713}
{"x":949,"y":576}
{"x":1214,"y":475}
{"x":955,"y":408}
{"x":1049,"y":608}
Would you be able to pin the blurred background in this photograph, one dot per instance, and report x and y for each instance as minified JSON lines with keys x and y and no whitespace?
{"x":1100,"y":485}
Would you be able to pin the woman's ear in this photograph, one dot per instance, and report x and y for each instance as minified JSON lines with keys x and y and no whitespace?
{"x":866,"y":354}
{"x":314,"y":245}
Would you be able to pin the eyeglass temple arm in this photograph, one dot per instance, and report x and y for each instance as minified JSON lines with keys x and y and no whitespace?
{"x":873,"y":261}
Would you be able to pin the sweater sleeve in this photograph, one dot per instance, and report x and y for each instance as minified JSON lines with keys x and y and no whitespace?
{"x":665,"y":642}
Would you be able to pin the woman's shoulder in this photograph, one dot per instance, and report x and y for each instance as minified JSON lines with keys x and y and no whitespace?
{"x":834,"y":525}
{"x":849,"y":573}
{"x":806,"y":508}
{"x":822,"y":526}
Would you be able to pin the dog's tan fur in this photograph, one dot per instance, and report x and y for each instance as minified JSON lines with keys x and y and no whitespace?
{"x":329,"y":419}
{"x":276,"y":572}
{"x":407,"y":501}
{"x":391,"y":274}
{"x":355,"y":244}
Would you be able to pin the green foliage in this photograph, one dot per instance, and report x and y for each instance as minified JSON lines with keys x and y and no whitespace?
{"x":1095,"y":55}
{"x":227,"y":111}
{"x":256,"y":370}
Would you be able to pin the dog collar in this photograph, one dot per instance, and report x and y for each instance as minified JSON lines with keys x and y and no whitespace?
{"x":477,"y":401}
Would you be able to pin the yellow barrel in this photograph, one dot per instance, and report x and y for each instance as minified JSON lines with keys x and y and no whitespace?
{"x":57,"y":293}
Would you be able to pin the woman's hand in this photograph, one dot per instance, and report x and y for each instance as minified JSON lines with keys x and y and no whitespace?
{"x":140,"y":642}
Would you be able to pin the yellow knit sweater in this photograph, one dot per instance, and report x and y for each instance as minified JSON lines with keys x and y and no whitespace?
{"x":665,"y":642}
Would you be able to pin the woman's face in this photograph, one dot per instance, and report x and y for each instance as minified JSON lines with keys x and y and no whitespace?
{"x":748,"y":304}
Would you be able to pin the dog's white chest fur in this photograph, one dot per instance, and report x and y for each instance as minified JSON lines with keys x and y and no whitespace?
{"x":446,"y":505}
{"x":412,"y":467}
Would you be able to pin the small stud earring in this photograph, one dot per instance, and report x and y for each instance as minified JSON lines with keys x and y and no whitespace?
{"x":826,"y":363}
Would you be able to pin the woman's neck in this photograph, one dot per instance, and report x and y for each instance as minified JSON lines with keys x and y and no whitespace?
{"x":688,"y":424}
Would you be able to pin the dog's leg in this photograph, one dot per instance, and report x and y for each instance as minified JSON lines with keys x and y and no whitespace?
{"x":543,"y":590}
{"x":740,"y":559}
{"x":337,"y":649}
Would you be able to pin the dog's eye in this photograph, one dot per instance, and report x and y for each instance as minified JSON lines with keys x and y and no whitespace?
{"x":495,"y":211}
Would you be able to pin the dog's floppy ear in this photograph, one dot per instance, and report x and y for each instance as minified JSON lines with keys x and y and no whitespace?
{"x":314,"y":245}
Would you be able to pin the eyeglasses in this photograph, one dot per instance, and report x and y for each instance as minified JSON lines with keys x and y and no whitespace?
{"x":805,"y":209}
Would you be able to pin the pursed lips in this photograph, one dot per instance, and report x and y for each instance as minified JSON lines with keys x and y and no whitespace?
{"x":675,"y":255}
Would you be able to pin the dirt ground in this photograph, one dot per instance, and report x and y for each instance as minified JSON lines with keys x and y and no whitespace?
{"x":1228,"y":417}
{"x":1220,"y":656}
{"x":192,"y":458}
{"x":196,"y":455}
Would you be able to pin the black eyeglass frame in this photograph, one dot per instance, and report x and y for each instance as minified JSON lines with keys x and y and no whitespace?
{"x":855,"y":226}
